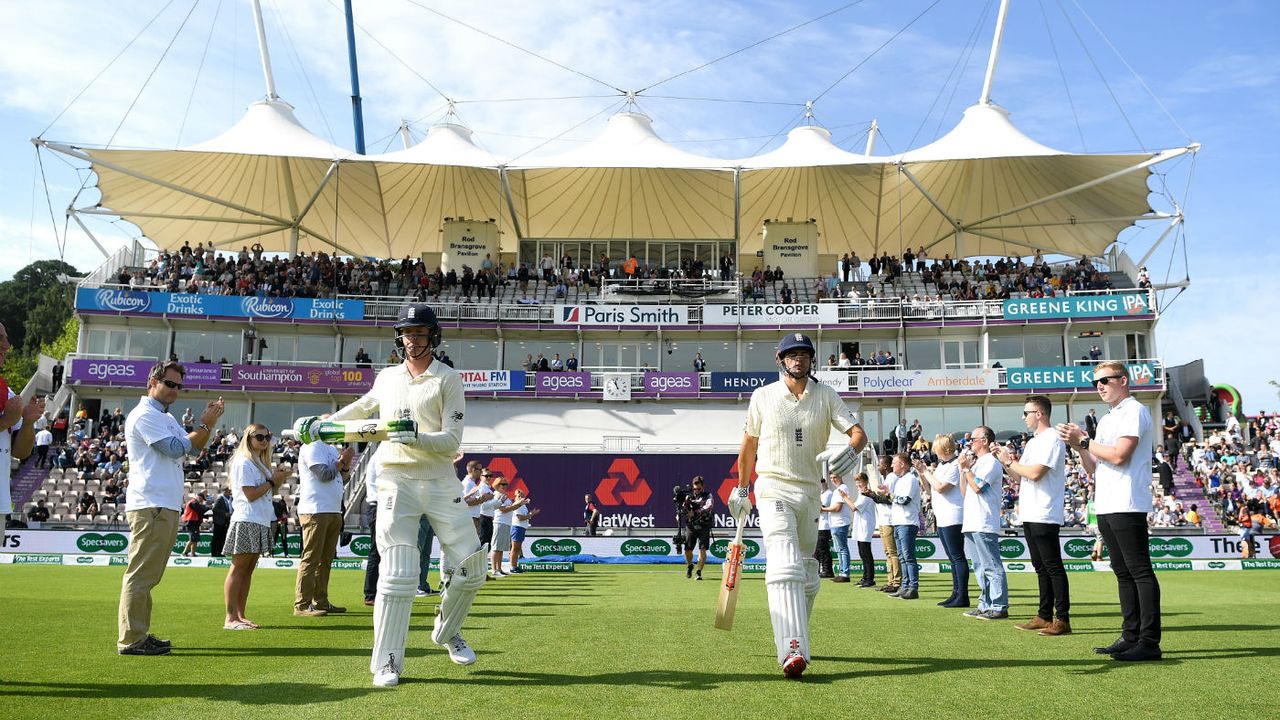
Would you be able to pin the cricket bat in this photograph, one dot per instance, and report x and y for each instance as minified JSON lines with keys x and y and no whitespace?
{"x":310,"y":429}
{"x":732,"y":574}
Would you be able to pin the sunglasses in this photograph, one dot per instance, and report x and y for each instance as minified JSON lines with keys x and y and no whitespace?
{"x":171,"y":384}
{"x":261,"y":437}
{"x":501,"y":484}
{"x":1106,"y":380}
{"x":1028,"y":412}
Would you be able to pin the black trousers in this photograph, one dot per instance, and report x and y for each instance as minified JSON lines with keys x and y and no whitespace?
{"x":868,"y":562}
{"x":1126,"y":537}
{"x":486,"y":529}
{"x":1046,"y":557}
{"x":219,"y":539}
{"x":823,"y":552}
{"x":375,"y":559}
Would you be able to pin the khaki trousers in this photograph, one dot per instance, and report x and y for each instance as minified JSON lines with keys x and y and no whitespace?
{"x":891,"y":555}
{"x":152,"y":533}
{"x":319,"y":546}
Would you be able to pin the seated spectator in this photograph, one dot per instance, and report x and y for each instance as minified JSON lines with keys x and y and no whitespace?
{"x":86,"y":505}
{"x":38,"y":513}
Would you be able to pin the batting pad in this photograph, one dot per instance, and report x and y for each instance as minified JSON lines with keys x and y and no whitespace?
{"x":786,"y":582}
{"x":459,"y":591}
{"x":397,"y":581}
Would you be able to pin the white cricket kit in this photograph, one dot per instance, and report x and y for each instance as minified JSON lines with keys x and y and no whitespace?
{"x":1127,"y":487}
{"x":416,"y":479}
{"x":792,"y":431}
{"x":1040,"y":501}
{"x":6,"y":463}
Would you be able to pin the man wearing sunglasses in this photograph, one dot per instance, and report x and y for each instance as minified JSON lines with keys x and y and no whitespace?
{"x":1119,"y":459}
{"x":157,"y":445}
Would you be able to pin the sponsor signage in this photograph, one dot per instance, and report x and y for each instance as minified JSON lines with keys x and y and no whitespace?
{"x":562,"y":383}
{"x":88,"y":371}
{"x":904,"y":381}
{"x":1077,"y":306}
{"x":136,"y":302}
{"x":1260,"y":564}
{"x":837,"y":380}
{"x":491,"y":380}
{"x":302,"y":378}
{"x":361,"y":545}
{"x":546,"y":566}
{"x":615,"y":315}
{"x":740,"y":382}
{"x":1141,"y":375}
{"x":672,"y":384}
{"x":636,"y":546}
{"x":925,"y":548}
{"x":36,"y":559}
{"x":543,"y":547}
{"x":1012,"y":548}
{"x":91,"y":542}
{"x":771,"y":314}
{"x":720,"y":548}
{"x":1170,"y":564}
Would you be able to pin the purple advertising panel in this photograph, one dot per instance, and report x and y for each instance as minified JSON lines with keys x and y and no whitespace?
{"x":677,"y":384}
{"x":631,"y":491}
{"x":90,"y":371}
{"x":299,"y":378}
{"x":562,"y":383}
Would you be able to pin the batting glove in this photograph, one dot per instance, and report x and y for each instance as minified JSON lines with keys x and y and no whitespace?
{"x":405,"y":432}
{"x":740,"y":503}
{"x":302,"y":428}
{"x":840,"y":462}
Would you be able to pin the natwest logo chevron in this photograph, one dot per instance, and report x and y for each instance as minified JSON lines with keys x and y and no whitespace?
{"x":507,"y":467}
{"x":728,"y":484}
{"x":623,"y":485}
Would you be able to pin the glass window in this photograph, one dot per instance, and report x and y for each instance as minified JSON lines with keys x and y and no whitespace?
{"x":932,"y":420}
{"x":720,"y":355}
{"x":378,"y":348}
{"x":148,"y":343}
{"x":476,"y":354}
{"x":1080,"y":409}
{"x":1007,"y":350}
{"x":759,"y":355}
{"x":1005,"y":418}
{"x":1043,"y":350}
{"x":517,"y":351}
{"x":97,"y":344}
{"x":1117,"y":348}
{"x":192,"y":345}
{"x":315,"y":348}
{"x":279,"y":348}
{"x":923,"y":354}
{"x":959,"y":419}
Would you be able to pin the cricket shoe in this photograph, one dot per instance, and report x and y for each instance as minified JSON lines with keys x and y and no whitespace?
{"x":386,"y":676}
{"x":794,"y":666}
{"x":459,"y":651}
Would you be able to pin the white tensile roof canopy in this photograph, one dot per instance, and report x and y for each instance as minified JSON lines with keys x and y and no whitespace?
{"x":984,"y":188}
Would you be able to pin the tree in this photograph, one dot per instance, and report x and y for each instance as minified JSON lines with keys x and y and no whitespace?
{"x":36,"y":297}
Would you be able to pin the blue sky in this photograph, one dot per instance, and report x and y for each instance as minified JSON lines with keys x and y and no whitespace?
{"x":1214,"y":66}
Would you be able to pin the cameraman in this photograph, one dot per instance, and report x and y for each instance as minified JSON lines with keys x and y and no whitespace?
{"x":698,"y":519}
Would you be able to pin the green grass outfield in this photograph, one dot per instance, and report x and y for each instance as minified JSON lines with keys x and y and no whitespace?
{"x":633,"y":642}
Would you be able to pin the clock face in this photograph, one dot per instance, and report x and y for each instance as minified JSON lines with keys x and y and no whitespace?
{"x":615,"y":385}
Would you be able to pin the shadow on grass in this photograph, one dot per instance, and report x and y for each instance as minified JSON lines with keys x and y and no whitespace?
{"x":260,"y":694}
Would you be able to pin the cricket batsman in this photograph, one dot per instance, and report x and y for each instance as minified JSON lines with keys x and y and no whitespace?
{"x":417,"y":478}
{"x":788,"y":424}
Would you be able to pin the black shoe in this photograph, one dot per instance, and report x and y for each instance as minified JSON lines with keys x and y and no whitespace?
{"x":688,"y":573}
{"x":826,"y":574}
{"x":158,"y":642}
{"x":699,"y":575}
{"x":994,"y":615}
{"x":1140,"y":652}
{"x":1118,"y":646}
{"x":958,"y":603}
{"x":143,"y":648}
{"x":947,"y":602}
{"x":908,"y":595}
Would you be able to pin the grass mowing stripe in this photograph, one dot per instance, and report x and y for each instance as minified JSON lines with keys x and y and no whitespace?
{"x":630,"y":642}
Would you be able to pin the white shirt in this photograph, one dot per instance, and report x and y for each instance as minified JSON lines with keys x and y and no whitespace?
{"x":1125,"y":488}
{"x":434,"y":399}
{"x":824,"y":518}
{"x":467,"y":486}
{"x":948,"y":506}
{"x":316,"y":495}
{"x":6,"y":465}
{"x":500,"y":500}
{"x":864,"y":520}
{"x":1040,"y":501}
{"x":43,"y":438}
{"x":792,"y":431}
{"x":520,"y":517}
{"x":844,"y":516}
{"x":485,"y":508}
{"x":371,"y":482}
{"x":908,"y":486}
{"x":244,"y":473}
{"x":982,"y":509}
{"x":155,"y":480}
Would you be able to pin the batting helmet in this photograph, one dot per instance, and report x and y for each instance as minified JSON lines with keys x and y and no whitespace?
{"x":418,"y":315}
{"x":795,"y":341}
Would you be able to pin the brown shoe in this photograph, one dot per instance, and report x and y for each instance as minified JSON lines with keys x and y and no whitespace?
{"x":1057,"y":627}
{"x":309,"y":612}
{"x":1037,"y":623}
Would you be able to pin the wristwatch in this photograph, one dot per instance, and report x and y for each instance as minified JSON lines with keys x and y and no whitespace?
{"x":1084,"y":443}
{"x":205,"y":427}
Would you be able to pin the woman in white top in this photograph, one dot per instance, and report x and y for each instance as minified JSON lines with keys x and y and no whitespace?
{"x":948,"y":510}
{"x":519,"y":526}
{"x":839,"y":518}
{"x":864,"y":527}
{"x":252,"y":483}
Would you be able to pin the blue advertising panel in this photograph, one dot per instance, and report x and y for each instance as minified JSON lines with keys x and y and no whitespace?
{"x":1077,"y":306}
{"x":1141,"y":375}
{"x":137,"y":302}
{"x":740,"y":382}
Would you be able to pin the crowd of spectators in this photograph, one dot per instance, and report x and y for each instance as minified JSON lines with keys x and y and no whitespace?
{"x":1238,"y":469}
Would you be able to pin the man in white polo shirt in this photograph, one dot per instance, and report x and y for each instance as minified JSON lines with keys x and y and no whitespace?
{"x":156,"y":445}
{"x":788,"y":424}
{"x":1043,"y":471}
{"x":321,"y":470}
{"x":981,"y":478}
{"x":1119,"y":458}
